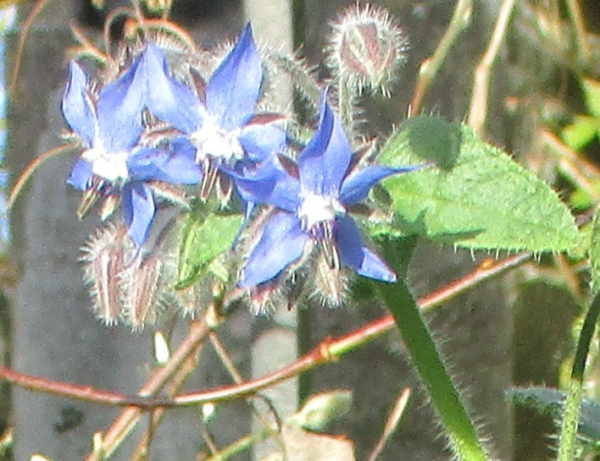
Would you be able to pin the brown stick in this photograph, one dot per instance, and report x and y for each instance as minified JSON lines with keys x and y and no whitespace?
{"x":328,"y":350}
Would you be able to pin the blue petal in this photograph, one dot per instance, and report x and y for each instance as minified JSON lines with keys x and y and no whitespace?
{"x":281,"y":243}
{"x":268,"y":185}
{"x":147,"y":163}
{"x":81,"y":175}
{"x":233,"y":89}
{"x":324,"y":161}
{"x":356,"y":256}
{"x":120,"y":106}
{"x":262,"y":141}
{"x":138,"y":210}
{"x":169,"y":100}
{"x":77,"y":107}
{"x":356,"y":187}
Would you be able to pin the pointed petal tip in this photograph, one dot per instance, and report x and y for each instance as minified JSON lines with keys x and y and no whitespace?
{"x":389,"y":277}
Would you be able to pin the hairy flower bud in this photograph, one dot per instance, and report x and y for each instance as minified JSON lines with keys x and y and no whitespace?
{"x":331,"y":283}
{"x":105,"y":256}
{"x":140,"y":285}
{"x":366,"y":48}
{"x":126,"y":285}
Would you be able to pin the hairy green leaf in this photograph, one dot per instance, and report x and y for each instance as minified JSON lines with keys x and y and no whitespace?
{"x":550,"y":402}
{"x":473,"y":194}
{"x":595,"y":254}
{"x":202,"y":240}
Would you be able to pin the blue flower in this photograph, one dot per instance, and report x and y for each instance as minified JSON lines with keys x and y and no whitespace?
{"x":218,"y":119}
{"x":110,"y":126}
{"x":312,"y":200}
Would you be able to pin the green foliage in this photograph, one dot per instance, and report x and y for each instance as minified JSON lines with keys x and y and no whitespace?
{"x":585,"y":128}
{"x":473,"y":195}
{"x":595,"y":254}
{"x":591,"y":91}
{"x":203,"y":237}
{"x":549,"y":402}
{"x":581,"y":132}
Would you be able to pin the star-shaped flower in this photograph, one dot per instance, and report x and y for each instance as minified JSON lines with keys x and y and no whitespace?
{"x":218,"y":119}
{"x":110,"y":126}
{"x":312,"y":207}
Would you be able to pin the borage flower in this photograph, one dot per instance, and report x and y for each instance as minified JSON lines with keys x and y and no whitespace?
{"x":217,"y":119}
{"x":113,"y":163}
{"x":312,"y":200}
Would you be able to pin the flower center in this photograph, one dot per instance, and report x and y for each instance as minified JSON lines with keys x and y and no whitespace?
{"x":317,"y":209}
{"x":110,"y":166}
{"x":211,"y":140}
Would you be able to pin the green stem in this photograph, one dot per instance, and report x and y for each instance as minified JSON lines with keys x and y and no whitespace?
{"x":444,"y":395}
{"x":426,"y":358}
{"x":568,"y":434}
{"x":461,"y":19}
{"x":243,"y":444}
{"x":346,"y":106}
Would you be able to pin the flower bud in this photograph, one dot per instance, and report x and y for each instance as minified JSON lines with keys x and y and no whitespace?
{"x":366,"y":48}
{"x":105,"y":255}
{"x":331,"y":283}
{"x":125,"y":284}
{"x":323,"y":409}
{"x":140,"y":284}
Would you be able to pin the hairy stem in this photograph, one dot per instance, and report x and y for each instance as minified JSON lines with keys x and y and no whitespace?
{"x":568,"y":434}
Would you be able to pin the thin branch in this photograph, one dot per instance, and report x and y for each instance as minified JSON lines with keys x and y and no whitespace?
{"x":560,"y":148}
{"x":391,"y":423}
{"x":30,"y":169}
{"x":583,"y":46}
{"x":329,"y":350}
{"x":187,"y":368}
{"x":27,"y":25}
{"x":430,"y":67}
{"x":129,"y":418}
{"x":479,"y":100}
{"x":237,"y":377}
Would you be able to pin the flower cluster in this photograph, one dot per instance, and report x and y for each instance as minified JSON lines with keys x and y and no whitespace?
{"x":150,"y":129}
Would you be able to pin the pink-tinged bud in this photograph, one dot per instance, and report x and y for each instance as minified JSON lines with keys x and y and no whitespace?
{"x":366,"y":48}
{"x":105,"y":256}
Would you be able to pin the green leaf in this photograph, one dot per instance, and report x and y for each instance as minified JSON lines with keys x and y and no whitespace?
{"x":550,"y":402}
{"x":579,"y":416}
{"x":474,"y":195}
{"x":591,"y":91}
{"x":581,"y":200}
{"x":595,"y":253}
{"x":202,"y":240}
{"x":581,"y":132}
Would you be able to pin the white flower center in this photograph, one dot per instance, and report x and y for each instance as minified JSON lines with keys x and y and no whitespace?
{"x":317,"y":209}
{"x":110,"y":166}
{"x":214,"y":141}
